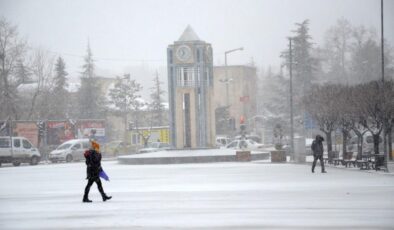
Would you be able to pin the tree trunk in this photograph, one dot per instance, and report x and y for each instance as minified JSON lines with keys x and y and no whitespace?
{"x":376,"y":138}
{"x":345,"y":134}
{"x":329,"y":141}
{"x":360,"y":140}
{"x":390,"y":139}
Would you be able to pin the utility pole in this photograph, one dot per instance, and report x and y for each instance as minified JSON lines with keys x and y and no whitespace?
{"x":291,"y":102}
{"x":383,"y":91}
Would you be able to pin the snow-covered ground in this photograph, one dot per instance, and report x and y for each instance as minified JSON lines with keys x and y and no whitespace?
{"x":196,"y":196}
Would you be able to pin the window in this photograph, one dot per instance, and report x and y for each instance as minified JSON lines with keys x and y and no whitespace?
{"x":170,"y":56}
{"x":198,"y":55}
{"x":85,"y":145}
{"x":64,"y":146}
{"x":4,"y":142}
{"x":17,"y":143}
{"x":77,"y":146}
{"x":135,"y":139}
{"x":233,"y":144}
{"x":185,"y":76}
{"x":26,"y":144}
{"x":243,"y":144}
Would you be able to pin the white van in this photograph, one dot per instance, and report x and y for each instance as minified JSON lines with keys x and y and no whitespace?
{"x":21,"y":151}
{"x":70,"y":150}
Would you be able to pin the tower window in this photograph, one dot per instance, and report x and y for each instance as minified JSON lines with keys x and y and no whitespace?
{"x":170,"y":56}
{"x":198,"y":55}
{"x":185,"y":77}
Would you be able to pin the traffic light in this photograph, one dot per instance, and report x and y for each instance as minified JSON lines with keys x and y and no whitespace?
{"x":241,"y":119}
{"x":41,"y":128}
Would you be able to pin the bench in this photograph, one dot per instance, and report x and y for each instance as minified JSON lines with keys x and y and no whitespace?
{"x":377,"y":162}
{"x":365,"y":162}
{"x":349,"y":159}
{"x":331,"y":156}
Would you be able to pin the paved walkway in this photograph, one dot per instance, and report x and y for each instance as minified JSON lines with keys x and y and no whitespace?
{"x":196,"y":196}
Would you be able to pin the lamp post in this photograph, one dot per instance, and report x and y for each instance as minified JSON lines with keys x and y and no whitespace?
{"x":385,"y":152}
{"x":291,"y":102}
{"x":127,"y":78}
{"x":226,"y":80}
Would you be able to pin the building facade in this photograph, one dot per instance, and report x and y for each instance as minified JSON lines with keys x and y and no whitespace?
{"x":191,"y":92}
{"x":236,"y":88}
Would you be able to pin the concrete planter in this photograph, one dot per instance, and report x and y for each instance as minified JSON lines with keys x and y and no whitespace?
{"x":243,"y":156}
{"x":278,"y":156}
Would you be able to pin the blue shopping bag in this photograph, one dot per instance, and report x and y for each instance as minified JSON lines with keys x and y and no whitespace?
{"x":103,"y":175}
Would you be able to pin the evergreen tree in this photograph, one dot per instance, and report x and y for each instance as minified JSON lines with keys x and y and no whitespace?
{"x":60,"y":75}
{"x":22,"y":73}
{"x":156,"y":106}
{"x":59,"y":97}
{"x":304,"y":67}
{"x":304,"y":63}
{"x":89,"y":96}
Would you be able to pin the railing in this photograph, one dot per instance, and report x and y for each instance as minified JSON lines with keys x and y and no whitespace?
{"x":189,"y":84}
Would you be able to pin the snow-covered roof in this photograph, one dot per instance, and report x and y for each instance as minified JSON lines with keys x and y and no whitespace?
{"x":189,"y":35}
{"x":73,"y":87}
{"x":27,"y":87}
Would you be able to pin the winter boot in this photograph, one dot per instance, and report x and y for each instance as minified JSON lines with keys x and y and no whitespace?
{"x":86,"y":199}
{"x":324,"y":171}
{"x":105,"y":197}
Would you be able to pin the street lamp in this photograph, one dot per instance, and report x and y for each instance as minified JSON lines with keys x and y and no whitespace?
{"x":385,"y":152}
{"x":226,"y":80}
{"x":291,"y":101}
{"x":126,"y":77}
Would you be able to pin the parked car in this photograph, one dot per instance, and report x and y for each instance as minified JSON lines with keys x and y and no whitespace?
{"x":21,"y":151}
{"x":154,"y":147}
{"x":247,"y":144}
{"x":250,"y":137}
{"x":222,"y":141}
{"x":71,"y":150}
{"x":114,"y":148}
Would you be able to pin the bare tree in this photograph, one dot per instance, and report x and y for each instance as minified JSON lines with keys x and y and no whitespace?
{"x":359,"y":117}
{"x":42,"y":66}
{"x":346,"y":117}
{"x":322,"y":105}
{"x":371,"y":107}
{"x":156,"y":106}
{"x":12,"y":49}
{"x":337,"y":47}
{"x":388,"y":113}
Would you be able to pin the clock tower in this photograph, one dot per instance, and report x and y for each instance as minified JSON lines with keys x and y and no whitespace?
{"x":190,"y":91}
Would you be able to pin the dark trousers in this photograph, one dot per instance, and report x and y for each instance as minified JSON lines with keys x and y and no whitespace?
{"x":315,"y":158}
{"x":90,"y":183}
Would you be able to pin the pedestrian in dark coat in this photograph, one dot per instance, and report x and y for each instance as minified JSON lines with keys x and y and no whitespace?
{"x":93,"y":163}
{"x":317,"y":150}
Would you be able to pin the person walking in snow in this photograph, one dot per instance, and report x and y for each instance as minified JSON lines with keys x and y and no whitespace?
{"x":317,"y":150}
{"x":93,"y":163}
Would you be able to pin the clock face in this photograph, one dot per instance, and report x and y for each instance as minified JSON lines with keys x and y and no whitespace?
{"x":183,"y":53}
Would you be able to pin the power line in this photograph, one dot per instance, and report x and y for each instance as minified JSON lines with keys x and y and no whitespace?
{"x":108,"y":58}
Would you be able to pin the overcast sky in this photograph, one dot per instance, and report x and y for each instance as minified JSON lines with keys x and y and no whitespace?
{"x":126,"y":36}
